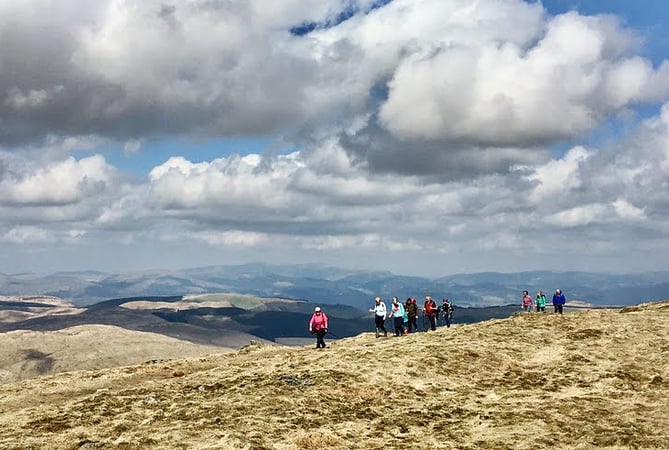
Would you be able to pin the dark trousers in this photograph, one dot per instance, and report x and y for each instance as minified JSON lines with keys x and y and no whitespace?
{"x":558,"y":308}
{"x":412,"y":322}
{"x":448,"y":318}
{"x":380,"y":321}
{"x":433,"y":321}
{"x":320,"y":342}
{"x":398,"y":325}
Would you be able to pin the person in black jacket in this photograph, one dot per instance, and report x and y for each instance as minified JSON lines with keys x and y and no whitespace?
{"x":412,"y":313}
{"x":447,"y":312}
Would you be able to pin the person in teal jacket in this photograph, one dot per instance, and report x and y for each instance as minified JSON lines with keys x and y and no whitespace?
{"x":397,"y":313}
{"x":541,"y":302}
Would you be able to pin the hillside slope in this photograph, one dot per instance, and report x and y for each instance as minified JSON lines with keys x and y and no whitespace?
{"x":592,"y":379}
{"x":27,"y":354}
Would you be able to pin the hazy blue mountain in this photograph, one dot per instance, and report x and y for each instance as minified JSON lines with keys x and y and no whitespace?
{"x":332,"y":285}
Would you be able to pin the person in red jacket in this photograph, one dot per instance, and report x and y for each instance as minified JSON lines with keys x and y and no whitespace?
{"x":319,"y":325}
{"x":430,"y":309}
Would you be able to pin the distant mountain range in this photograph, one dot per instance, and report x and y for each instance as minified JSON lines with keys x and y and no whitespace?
{"x":333,"y":285}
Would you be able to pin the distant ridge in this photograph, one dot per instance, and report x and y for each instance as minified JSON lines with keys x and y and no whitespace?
{"x":332,"y":285}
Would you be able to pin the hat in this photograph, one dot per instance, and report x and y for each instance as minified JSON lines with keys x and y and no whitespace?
{"x":317,"y":309}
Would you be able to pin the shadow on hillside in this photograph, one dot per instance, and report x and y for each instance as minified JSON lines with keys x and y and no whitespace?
{"x":224,"y":326}
{"x":214,"y":333}
{"x":42,"y":363}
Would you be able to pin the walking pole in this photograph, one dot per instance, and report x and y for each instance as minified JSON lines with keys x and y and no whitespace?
{"x":376,"y":329}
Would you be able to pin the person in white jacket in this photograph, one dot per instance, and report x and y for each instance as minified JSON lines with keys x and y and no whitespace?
{"x":379,"y":311}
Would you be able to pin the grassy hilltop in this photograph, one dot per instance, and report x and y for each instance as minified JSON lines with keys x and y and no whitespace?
{"x":591,"y":379}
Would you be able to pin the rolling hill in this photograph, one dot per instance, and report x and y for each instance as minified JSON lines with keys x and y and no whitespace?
{"x":586,"y":380}
{"x":47,"y":335}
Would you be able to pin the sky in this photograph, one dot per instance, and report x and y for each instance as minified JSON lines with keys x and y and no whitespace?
{"x":423,"y":137}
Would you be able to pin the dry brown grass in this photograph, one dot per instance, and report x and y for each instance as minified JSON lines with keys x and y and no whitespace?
{"x":594,"y":379}
{"x":27,"y":354}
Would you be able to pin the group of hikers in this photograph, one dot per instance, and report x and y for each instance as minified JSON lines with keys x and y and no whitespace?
{"x":405,"y":315}
{"x":529,"y":305}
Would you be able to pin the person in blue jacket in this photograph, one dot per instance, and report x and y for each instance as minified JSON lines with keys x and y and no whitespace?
{"x":397,"y":313}
{"x":558,"y":301}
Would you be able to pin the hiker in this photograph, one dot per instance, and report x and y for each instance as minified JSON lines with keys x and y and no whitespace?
{"x":430,"y":310}
{"x":405,"y":321}
{"x":412,"y":314}
{"x":447,"y":312}
{"x":319,"y":325}
{"x":397,"y":313}
{"x":541,"y":302}
{"x":527,"y":302}
{"x":558,"y":301}
{"x":379,"y":311}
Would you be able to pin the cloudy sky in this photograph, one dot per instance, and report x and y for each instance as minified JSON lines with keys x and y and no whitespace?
{"x":424,"y":137}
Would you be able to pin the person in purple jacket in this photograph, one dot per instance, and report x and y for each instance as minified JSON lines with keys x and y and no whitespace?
{"x":558,"y":301}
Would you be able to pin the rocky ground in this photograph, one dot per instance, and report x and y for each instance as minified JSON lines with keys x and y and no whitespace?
{"x":591,"y":379}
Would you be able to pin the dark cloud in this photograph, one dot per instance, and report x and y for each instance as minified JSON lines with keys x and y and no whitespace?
{"x":437,"y":160}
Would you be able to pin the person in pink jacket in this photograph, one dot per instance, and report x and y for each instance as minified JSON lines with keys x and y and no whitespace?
{"x":527,"y":303}
{"x":319,"y":325}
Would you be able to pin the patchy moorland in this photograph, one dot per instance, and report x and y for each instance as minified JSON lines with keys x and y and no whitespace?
{"x":591,"y":379}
